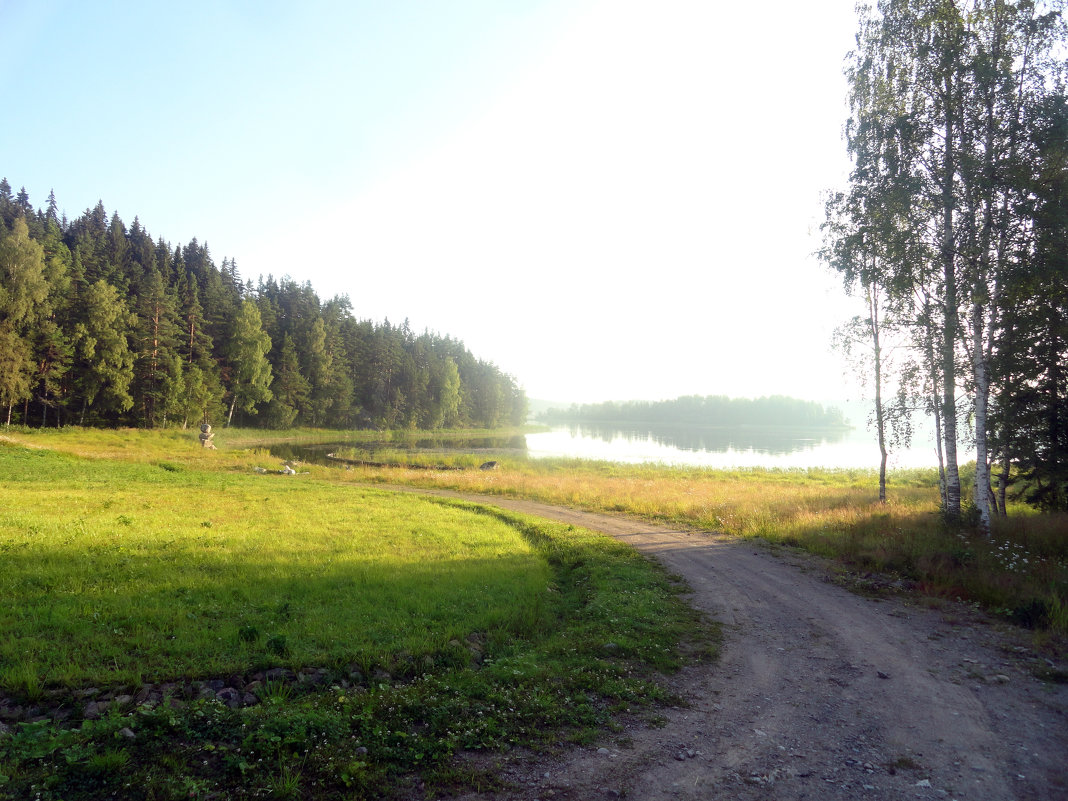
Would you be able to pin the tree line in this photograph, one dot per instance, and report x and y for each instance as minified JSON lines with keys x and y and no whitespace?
{"x":953,"y":229}
{"x":102,"y":325}
{"x":711,"y":410}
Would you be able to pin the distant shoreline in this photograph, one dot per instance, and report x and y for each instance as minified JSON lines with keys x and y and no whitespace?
{"x":617,"y":423}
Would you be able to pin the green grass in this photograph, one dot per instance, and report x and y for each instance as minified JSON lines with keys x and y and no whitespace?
{"x":134,"y":560}
{"x":833,"y":513}
{"x":429,"y":459}
{"x":197,"y":567}
{"x":101,"y":580}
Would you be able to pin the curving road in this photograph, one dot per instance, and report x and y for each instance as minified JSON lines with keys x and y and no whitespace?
{"x":819,"y":693}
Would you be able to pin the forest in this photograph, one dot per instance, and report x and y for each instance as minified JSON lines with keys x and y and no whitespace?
{"x":101,"y":325}
{"x":712,"y":410}
{"x":952,"y":232}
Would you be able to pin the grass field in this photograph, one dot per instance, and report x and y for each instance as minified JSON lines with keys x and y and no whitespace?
{"x":1020,"y":572}
{"x":363,"y":636}
{"x":380,"y":634}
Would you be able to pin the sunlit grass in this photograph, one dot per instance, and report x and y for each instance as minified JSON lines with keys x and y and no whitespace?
{"x":133,"y":558}
{"x":391,"y":457}
{"x":130,"y":570}
{"x":834,"y":513}
{"x":740,"y":502}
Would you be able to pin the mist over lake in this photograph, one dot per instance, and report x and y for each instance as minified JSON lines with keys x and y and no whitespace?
{"x":849,"y":445}
{"x":720,"y":432}
{"x":725,"y":447}
{"x":770,"y":447}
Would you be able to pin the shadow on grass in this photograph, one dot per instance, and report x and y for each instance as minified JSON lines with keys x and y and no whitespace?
{"x":129,"y":619}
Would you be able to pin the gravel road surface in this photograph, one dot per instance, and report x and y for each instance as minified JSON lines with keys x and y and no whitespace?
{"x":820,"y":693}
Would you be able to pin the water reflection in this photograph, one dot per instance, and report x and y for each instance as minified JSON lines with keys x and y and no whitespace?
{"x":774,"y":441}
{"x":725,"y":448}
{"x":705,"y":447}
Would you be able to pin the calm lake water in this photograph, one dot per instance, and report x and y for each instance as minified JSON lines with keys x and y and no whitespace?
{"x":704,"y":447}
{"x":726,"y":448}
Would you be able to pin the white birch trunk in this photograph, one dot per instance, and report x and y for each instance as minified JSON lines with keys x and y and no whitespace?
{"x":936,"y":404}
{"x":951,"y":323}
{"x":880,"y":417}
{"x":982,"y":394}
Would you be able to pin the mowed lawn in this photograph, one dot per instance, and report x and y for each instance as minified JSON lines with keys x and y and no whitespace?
{"x":120,"y":572}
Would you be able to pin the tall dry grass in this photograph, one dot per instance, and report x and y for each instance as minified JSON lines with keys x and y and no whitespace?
{"x":1020,"y":571}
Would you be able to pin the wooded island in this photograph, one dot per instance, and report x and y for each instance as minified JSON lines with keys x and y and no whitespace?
{"x":712,"y":410}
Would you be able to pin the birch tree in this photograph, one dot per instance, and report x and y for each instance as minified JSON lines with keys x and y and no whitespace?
{"x":1008,"y":62}
{"x":251,"y":374}
{"x":23,"y":290}
{"x":939,"y":91}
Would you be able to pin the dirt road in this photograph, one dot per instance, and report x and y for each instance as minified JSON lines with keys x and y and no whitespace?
{"x":819,"y":694}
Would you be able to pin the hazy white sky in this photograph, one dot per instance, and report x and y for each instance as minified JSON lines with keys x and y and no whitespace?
{"x":609,"y":200}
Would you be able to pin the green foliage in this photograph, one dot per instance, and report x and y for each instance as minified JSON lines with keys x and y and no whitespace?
{"x":101,"y":325}
{"x":290,"y":390}
{"x":158,"y":387}
{"x":955,"y":216}
{"x":15,"y":367}
{"x":251,"y":371}
{"x":103,"y":360}
{"x":23,"y":290}
{"x":22,"y":275}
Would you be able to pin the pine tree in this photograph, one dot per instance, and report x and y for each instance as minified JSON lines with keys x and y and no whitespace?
{"x":290,"y":390}
{"x":7,"y":204}
{"x":52,"y":211}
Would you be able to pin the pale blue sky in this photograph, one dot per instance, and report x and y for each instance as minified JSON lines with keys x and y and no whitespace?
{"x":609,"y":199}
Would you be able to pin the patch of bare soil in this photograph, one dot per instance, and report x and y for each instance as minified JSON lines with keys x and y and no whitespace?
{"x":819,"y":694}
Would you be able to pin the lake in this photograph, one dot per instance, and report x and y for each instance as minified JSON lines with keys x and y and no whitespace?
{"x":696,"y":446}
{"x":727,"y":448}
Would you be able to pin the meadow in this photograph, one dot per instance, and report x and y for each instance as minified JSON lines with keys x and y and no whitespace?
{"x":179,"y":625}
{"x":371,"y":637}
{"x":1019,"y":573}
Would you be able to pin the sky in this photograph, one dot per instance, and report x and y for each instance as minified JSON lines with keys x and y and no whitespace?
{"x":609,"y":200}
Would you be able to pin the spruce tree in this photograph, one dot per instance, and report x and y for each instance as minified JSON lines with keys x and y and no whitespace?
{"x":156,"y":369}
{"x":103,"y":360}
